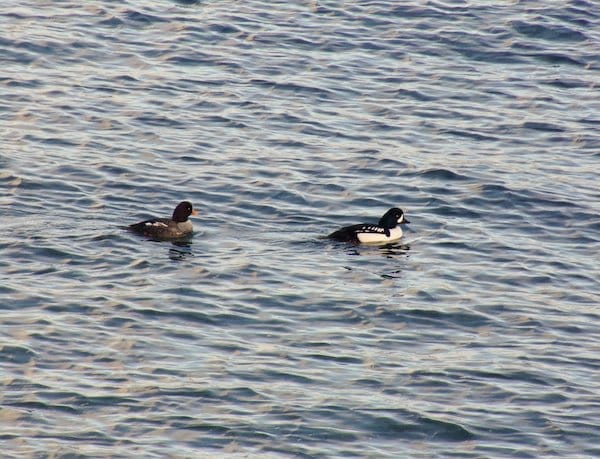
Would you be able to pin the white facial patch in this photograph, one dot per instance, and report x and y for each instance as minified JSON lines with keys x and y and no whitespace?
{"x":401,"y":218}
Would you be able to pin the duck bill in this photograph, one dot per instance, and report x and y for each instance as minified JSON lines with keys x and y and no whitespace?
{"x":404,"y":221}
{"x":194,"y":212}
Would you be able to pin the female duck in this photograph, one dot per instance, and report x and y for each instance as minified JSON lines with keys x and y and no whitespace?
{"x":177,"y":226}
{"x":387,"y":230}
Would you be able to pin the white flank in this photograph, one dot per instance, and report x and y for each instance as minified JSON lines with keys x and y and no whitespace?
{"x":158,"y":224}
{"x":366,"y":238}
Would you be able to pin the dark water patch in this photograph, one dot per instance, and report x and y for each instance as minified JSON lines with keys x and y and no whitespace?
{"x":195,"y":160}
{"x":314,"y":131}
{"x":184,"y":316}
{"x":443,"y":319}
{"x":111,"y":22}
{"x":335,"y":358}
{"x":286,"y":118}
{"x":280,"y":375}
{"x":307,"y":434}
{"x":158,"y":121}
{"x":7,"y":290}
{"x":335,"y":46}
{"x":544,"y":398}
{"x":56,"y":255}
{"x":212,"y":428}
{"x":50,"y":141}
{"x":288,"y":143}
{"x":373,"y":384}
{"x":383,"y":127}
{"x":94,"y":402}
{"x":510,"y":199}
{"x":589,"y":121}
{"x":41,"y":406}
{"x":237,"y":394}
{"x":454,"y":211}
{"x":290,"y":197}
{"x":592,"y":226}
{"x":25,"y":301}
{"x":387,"y":164}
{"x":540,"y":126}
{"x":295,"y":88}
{"x":227,"y":347}
{"x":16,"y":354}
{"x":250,"y":210}
{"x":127,"y":79}
{"x":495,"y":57}
{"x":224,"y":121}
{"x":16,"y":385}
{"x":85,"y":437}
{"x":47,"y":47}
{"x":71,"y":307}
{"x":397,"y":423}
{"x":444,"y":175}
{"x":253,"y":321}
{"x":224,"y":29}
{"x":460,"y":318}
{"x":422,"y":12}
{"x":421,"y":96}
{"x":78,"y":173}
{"x":100,"y":86}
{"x":22,"y":83}
{"x":198,"y":58}
{"x":566,"y":83}
{"x":470,"y":134}
{"x":548,"y":31}
{"x":141,"y":18}
{"x":556,"y":58}
{"x":114,"y":170}
{"x":525,"y":376}
{"x":188,"y":2}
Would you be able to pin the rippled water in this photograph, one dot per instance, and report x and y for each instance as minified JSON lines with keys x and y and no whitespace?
{"x":476,"y":336}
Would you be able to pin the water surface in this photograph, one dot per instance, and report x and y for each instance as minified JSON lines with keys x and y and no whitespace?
{"x":475,"y":336}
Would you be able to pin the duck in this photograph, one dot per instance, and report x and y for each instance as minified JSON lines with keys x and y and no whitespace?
{"x":387,"y":230}
{"x":178,"y":226}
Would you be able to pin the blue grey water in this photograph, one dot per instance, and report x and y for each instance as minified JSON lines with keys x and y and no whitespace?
{"x":477,"y":335}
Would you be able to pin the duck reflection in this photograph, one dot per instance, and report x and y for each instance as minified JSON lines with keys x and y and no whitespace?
{"x":387,"y":250}
{"x":180,"y":250}
{"x":392,"y":250}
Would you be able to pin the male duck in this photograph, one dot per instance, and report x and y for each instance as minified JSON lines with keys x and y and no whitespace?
{"x":387,"y":230}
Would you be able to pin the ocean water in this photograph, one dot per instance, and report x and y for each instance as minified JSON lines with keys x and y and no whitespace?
{"x":477,"y":335}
